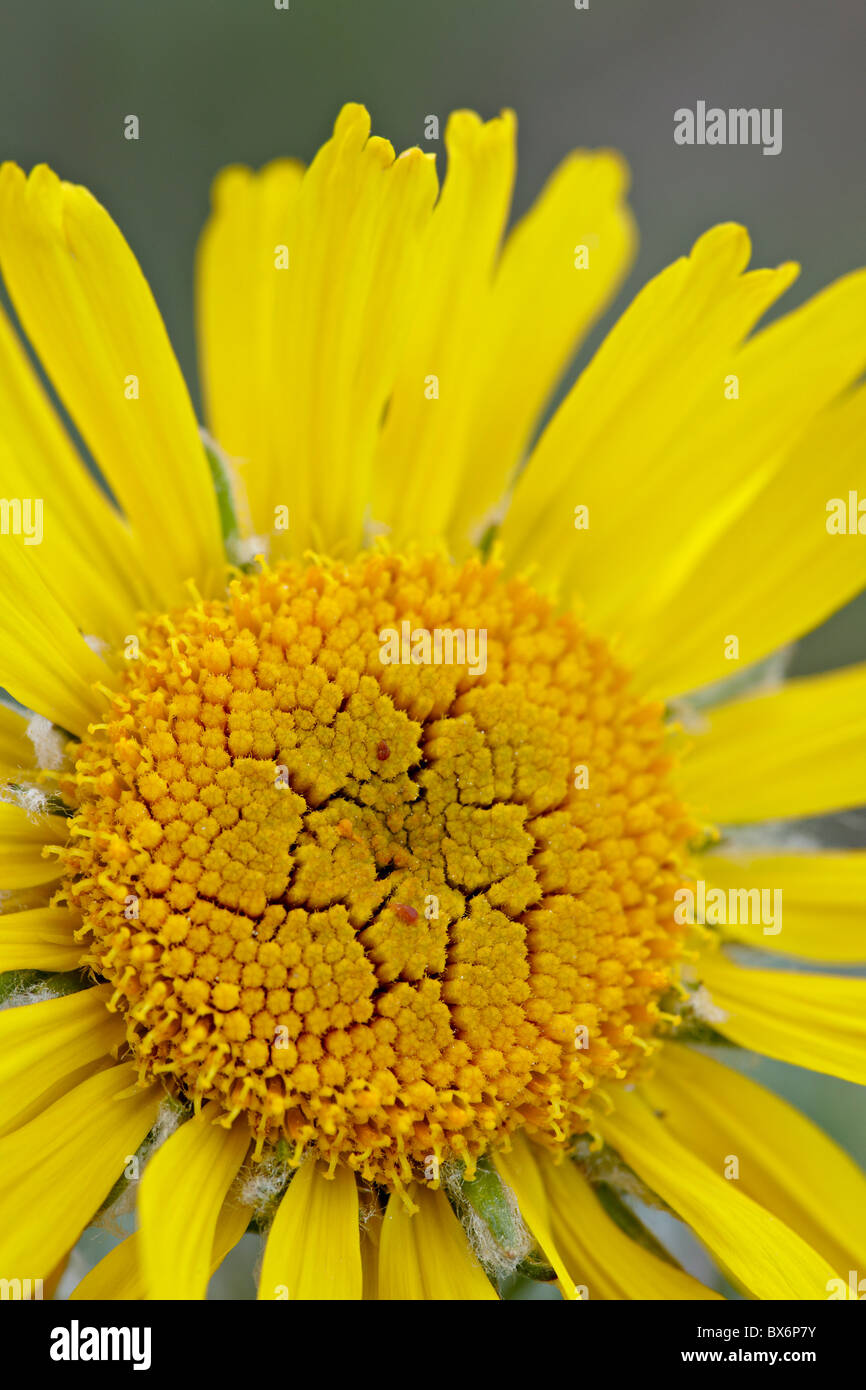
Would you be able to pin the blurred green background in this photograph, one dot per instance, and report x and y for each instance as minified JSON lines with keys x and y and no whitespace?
{"x":218,"y":81}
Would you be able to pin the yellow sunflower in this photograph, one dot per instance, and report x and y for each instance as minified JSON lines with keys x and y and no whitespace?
{"x":361,"y":881}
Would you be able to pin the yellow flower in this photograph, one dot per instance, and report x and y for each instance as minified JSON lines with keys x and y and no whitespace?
{"x":370,"y":884}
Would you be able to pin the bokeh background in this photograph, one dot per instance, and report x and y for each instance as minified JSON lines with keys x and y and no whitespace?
{"x":218,"y":81}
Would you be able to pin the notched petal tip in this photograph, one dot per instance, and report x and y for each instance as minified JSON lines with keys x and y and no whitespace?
{"x":467,"y":133}
{"x":11,"y":173}
{"x":727,"y":242}
{"x":608,"y":168}
{"x":381,"y":149}
{"x":353,"y":117}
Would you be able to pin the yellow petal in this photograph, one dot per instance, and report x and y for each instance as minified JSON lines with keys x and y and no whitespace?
{"x":55,"y":1172}
{"x":46,"y":663}
{"x":822,"y":900}
{"x":182,"y":1192}
{"x":39,"y":939}
{"x":117,"y":1276}
{"x":775,"y":571}
{"x":446,"y":334}
{"x":761,"y":1253}
{"x":89,"y":313}
{"x":560,"y":267}
{"x":815,"y":1021}
{"x":54,"y":1278}
{"x":45,"y":1048}
{"x":313,"y":1249}
{"x":16,"y":750}
{"x":519,"y":1171}
{"x":617,"y":443}
{"x":232,"y":1223}
{"x":600,"y":1256}
{"x":785,"y":1162}
{"x":241,"y":357}
{"x":86,"y":555}
{"x":120,"y":1273}
{"x":800,"y":751}
{"x":22,"y":839}
{"x":425,"y":1254}
{"x":300,"y":357}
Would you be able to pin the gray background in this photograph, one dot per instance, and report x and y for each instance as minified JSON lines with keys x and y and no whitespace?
{"x":217,"y":81}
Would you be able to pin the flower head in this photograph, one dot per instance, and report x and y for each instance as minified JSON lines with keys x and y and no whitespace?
{"x":354,"y":835}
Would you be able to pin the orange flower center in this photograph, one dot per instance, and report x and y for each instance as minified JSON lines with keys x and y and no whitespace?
{"x":386,"y":892}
